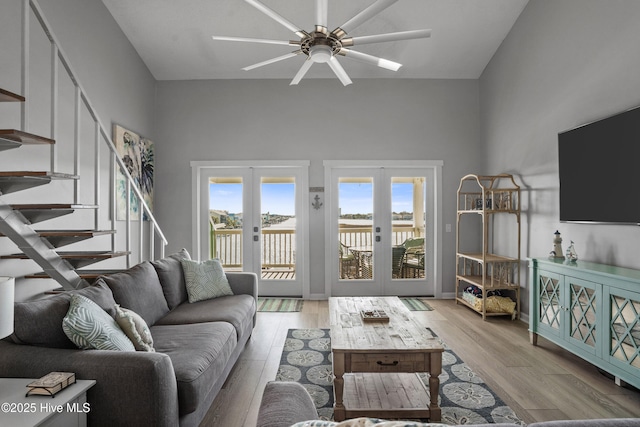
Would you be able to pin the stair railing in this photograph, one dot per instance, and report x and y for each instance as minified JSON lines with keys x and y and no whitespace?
{"x":100,"y":134}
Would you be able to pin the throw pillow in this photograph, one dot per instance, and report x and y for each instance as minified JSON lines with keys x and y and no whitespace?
{"x":365,"y":422}
{"x":88,"y":326}
{"x":205,"y":280}
{"x":135,"y":328}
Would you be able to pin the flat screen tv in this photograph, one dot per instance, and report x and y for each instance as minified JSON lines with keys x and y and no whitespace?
{"x":599,"y":168}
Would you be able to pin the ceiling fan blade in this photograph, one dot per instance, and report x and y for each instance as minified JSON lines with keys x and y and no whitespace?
{"x":364,"y":16}
{"x":276,"y":17}
{"x":322,"y":7}
{"x":250,"y":40}
{"x":369,"y":59}
{"x":272,"y":60}
{"x":303,"y":70}
{"x":389,"y":37}
{"x":339,"y":71}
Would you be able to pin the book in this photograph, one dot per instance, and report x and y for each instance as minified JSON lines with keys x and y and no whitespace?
{"x":51,"y":383}
{"x":374,"y":315}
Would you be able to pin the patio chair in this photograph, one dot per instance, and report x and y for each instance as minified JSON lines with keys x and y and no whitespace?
{"x":413,"y":257}
{"x":397,"y":260}
{"x":348,"y":262}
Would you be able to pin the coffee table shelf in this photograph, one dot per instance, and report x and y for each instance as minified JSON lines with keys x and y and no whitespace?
{"x":391,"y":395}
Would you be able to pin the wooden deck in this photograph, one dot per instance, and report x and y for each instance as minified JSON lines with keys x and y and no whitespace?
{"x":278,"y":274}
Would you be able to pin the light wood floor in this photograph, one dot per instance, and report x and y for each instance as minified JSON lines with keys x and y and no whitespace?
{"x":539,"y":383}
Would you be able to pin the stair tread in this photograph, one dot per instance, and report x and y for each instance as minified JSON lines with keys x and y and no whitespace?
{"x":74,"y":255}
{"x":25,"y":137}
{"x":6,"y":96}
{"x":46,"y":233}
{"x":51,"y":233}
{"x":85,"y":274}
{"x":35,"y":213}
{"x":46,"y":206}
{"x":37,"y":174}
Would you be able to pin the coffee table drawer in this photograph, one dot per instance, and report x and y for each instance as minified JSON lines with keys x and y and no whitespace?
{"x":388,"y":362}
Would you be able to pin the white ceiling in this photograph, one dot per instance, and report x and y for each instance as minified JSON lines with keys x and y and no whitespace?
{"x":173,"y":37}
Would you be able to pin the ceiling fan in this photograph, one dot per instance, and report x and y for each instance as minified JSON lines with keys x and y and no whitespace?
{"x":322,"y":46}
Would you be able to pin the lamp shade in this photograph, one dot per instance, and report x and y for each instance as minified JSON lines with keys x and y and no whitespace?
{"x":6,"y":306}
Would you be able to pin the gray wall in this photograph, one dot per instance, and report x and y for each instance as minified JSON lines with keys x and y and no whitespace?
{"x":564,"y":63}
{"x":118,"y":84}
{"x":318,"y":120}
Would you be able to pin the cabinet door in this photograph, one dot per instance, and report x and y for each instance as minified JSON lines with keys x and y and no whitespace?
{"x":624,"y":328}
{"x":549,"y":302}
{"x":583,"y":314}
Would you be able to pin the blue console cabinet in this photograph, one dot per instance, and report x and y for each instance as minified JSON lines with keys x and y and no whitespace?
{"x":590,"y":309}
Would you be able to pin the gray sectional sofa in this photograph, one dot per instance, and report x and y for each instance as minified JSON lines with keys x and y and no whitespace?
{"x":196,"y":345}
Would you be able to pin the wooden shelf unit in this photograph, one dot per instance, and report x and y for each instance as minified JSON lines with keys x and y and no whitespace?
{"x":485,"y":197}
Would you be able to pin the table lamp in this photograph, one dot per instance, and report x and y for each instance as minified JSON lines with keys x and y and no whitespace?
{"x":6,"y":306}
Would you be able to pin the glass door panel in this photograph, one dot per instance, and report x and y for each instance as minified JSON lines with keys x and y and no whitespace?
{"x":278,"y":237}
{"x":583,"y":312}
{"x":408,"y":231}
{"x":549,"y":306}
{"x":225,"y":221}
{"x":625,"y":329}
{"x":355,"y":232}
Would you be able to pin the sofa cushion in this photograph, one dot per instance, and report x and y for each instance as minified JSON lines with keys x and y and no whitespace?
{"x":171,"y":277}
{"x":205,"y":280}
{"x":139,"y":289}
{"x":90,"y":327}
{"x":237,"y":310}
{"x":135,"y":328}
{"x":39,"y":322}
{"x":199,"y":354}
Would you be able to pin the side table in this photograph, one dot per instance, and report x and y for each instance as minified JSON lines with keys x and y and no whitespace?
{"x":69,"y":407}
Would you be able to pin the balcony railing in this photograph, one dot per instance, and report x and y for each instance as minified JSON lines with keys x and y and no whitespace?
{"x":278,"y":245}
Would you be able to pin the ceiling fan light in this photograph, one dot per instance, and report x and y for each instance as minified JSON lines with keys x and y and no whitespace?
{"x":320,"y":53}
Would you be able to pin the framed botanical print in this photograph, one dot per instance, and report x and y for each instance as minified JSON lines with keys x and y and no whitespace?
{"x":137,"y":154}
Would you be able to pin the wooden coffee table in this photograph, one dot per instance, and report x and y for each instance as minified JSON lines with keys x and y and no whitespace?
{"x":375,"y":362}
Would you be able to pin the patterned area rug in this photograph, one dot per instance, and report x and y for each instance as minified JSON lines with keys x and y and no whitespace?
{"x":464,"y":397}
{"x":279,"y":304}
{"x":416,"y":304}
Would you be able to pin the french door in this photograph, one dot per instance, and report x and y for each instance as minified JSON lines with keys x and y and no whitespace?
{"x":381,"y":228}
{"x":253,"y":218}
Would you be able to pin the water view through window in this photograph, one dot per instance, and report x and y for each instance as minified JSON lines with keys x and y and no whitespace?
{"x":277,"y":224}
{"x":357,"y":248}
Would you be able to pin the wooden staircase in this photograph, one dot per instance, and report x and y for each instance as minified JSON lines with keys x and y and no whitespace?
{"x":17,"y":220}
